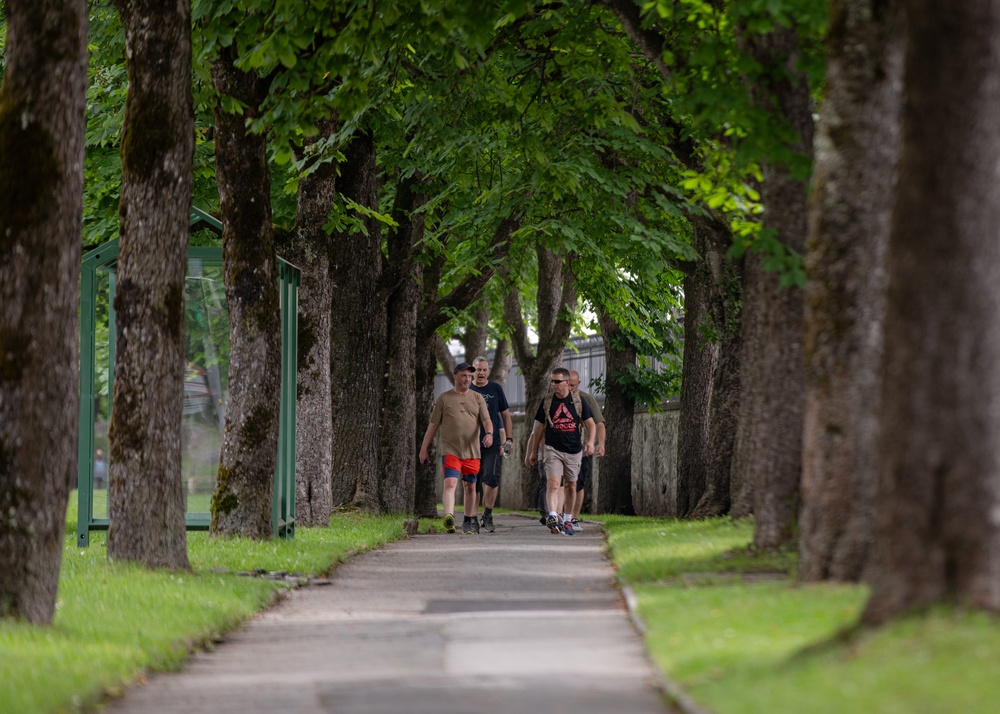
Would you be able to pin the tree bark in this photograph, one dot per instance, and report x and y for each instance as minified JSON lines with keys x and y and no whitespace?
{"x":309,"y":249}
{"x":503,"y":360}
{"x":404,"y":278}
{"x":726,"y":299}
{"x":937,"y":531}
{"x":701,"y":352}
{"x":856,"y":156}
{"x":42,"y":101}
{"x":614,"y":493}
{"x":771,"y":416}
{"x":474,"y":337}
{"x":556,"y":301}
{"x":145,"y":491}
{"x":357,"y":338}
{"x":242,"y":502}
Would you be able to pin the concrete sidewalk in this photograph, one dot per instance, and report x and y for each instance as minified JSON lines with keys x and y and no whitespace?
{"x":520,"y":620}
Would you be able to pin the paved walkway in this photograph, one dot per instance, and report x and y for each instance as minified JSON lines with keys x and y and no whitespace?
{"x":514,"y":621}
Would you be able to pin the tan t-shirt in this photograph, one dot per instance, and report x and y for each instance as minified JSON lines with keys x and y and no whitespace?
{"x":458,"y":417}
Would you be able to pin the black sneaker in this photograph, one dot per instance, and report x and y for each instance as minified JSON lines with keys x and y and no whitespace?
{"x":553,"y":523}
{"x":544,"y":520}
{"x":488,"y":523}
{"x":470,"y":526}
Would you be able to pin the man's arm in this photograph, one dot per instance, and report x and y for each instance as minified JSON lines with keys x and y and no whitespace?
{"x":601,"y":433}
{"x":487,"y":421}
{"x":426,"y":444}
{"x":531,"y":453}
{"x":588,"y":448}
{"x":508,"y":426}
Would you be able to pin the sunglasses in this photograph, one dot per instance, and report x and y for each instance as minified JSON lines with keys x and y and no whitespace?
{"x":558,"y":381}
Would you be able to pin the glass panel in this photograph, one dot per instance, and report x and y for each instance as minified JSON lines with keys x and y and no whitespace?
{"x":102,"y":387}
{"x":206,"y":380}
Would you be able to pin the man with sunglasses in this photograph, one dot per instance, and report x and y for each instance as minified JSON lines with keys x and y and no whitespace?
{"x":564,"y":448}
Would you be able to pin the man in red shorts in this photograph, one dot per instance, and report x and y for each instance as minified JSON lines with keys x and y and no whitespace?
{"x":458,"y":413}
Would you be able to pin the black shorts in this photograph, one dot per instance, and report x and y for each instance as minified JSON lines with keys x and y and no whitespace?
{"x":585,"y":466}
{"x":489,"y":468}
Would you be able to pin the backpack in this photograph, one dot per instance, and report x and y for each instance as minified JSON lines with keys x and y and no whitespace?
{"x":577,"y":405}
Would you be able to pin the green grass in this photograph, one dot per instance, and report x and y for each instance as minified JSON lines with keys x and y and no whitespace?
{"x":115,"y":621}
{"x":739,"y":642}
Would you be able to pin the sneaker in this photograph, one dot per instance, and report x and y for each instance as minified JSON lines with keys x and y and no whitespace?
{"x":488,"y":523}
{"x":568,"y":528}
{"x":470,"y":526}
{"x":449,"y":523}
{"x":544,"y":520}
{"x":553,"y":523}
{"x":576,"y":526}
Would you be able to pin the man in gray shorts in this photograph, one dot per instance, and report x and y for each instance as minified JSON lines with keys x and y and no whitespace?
{"x":564,"y":448}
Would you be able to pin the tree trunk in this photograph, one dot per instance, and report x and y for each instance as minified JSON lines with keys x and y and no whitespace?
{"x":614,"y":493}
{"x":404,"y":275}
{"x":773,"y":355}
{"x":309,"y":249}
{"x":474,"y":337}
{"x":701,"y":352}
{"x":242,"y":501}
{"x":845,"y":297}
{"x":425,"y":480}
{"x":145,"y":492}
{"x":357,"y":338}
{"x":556,"y":301}
{"x":503,"y":360}
{"x":937,"y":531}
{"x":42,"y":125}
{"x":725,"y":303}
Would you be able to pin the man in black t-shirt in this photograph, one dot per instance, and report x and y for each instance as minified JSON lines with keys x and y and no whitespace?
{"x":564,"y":447}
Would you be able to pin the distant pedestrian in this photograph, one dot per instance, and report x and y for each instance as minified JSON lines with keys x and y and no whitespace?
{"x":100,"y":469}
{"x":587,"y":465}
{"x":491,"y":459}
{"x":559,"y":420}
{"x":458,"y":413}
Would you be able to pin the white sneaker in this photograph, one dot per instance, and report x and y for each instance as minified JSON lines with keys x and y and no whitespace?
{"x":576,"y":526}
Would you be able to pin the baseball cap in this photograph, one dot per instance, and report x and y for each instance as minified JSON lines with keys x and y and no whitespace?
{"x":463,"y":367}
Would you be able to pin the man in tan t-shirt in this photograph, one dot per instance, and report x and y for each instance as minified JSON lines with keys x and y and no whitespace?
{"x":459,"y":412}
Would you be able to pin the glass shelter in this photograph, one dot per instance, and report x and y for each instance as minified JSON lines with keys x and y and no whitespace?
{"x":205,"y":384}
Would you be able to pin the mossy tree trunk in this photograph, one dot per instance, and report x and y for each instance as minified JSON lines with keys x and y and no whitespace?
{"x":145,"y":491}
{"x":308,"y":247}
{"x":357,"y":337}
{"x":938,"y":493}
{"x":42,"y":126}
{"x":856,"y":156}
{"x":701,"y":353}
{"x":614,"y":488}
{"x":403,"y":278}
{"x":771,"y":416}
{"x":555,"y":301}
{"x":242,"y":500}
{"x":724,"y":305}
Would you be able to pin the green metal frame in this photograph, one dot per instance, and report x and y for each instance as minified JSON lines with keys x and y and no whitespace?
{"x":105,"y":257}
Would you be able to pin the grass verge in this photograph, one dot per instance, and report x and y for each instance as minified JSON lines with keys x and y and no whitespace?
{"x":115,"y":622}
{"x":740,"y":636}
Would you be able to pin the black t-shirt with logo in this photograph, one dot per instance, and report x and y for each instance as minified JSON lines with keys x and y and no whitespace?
{"x":564,"y":433}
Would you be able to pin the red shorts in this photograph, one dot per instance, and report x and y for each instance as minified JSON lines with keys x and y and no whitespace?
{"x":455,"y":467}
